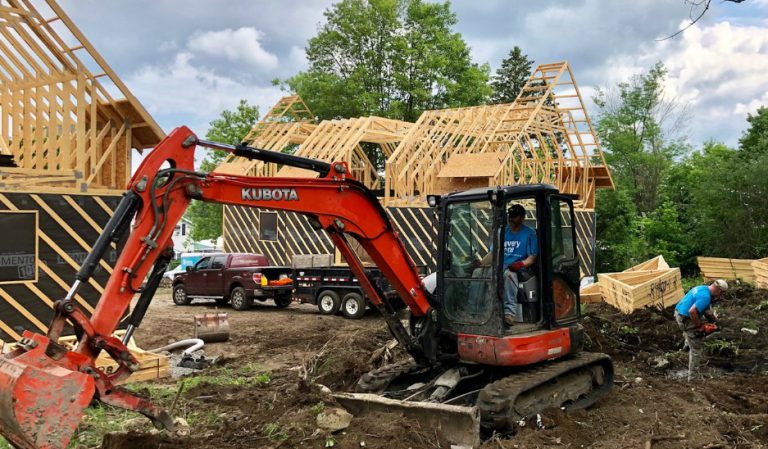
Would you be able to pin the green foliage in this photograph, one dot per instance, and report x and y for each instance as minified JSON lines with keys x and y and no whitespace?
{"x":318,"y":408}
{"x":231,"y":127}
{"x":631,"y":129}
{"x":390,"y":58}
{"x":628,"y":330}
{"x":618,"y":241}
{"x":670,"y":200}
{"x":274,"y":432}
{"x":249,"y":375}
{"x":510,"y":78}
{"x":689,"y":282}
{"x":664,"y":234}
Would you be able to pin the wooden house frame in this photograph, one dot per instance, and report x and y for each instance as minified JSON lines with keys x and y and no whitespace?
{"x":60,"y":125}
{"x":545,"y":136}
{"x":67,"y":128}
{"x":289,"y":122}
{"x":342,"y":140}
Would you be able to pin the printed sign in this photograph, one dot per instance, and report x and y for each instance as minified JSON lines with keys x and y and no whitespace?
{"x":18,"y":246}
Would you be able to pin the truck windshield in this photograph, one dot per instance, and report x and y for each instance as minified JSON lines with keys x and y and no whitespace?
{"x":468,"y":285}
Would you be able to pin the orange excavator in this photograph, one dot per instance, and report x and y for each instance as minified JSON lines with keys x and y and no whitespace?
{"x":463,"y":353}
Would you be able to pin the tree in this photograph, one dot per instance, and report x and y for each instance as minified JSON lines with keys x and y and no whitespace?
{"x":510,"y":78}
{"x":696,"y":12}
{"x":617,"y":244}
{"x":231,"y":127}
{"x":392,"y":58}
{"x":638,"y":128}
{"x":755,"y":139}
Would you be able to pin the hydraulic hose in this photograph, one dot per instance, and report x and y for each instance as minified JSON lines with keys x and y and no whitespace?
{"x":195,"y":344}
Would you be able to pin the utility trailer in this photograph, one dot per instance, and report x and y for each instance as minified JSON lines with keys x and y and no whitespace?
{"x":335,"y":289}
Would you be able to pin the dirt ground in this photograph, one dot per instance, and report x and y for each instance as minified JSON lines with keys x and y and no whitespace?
{"x":651,"y":405}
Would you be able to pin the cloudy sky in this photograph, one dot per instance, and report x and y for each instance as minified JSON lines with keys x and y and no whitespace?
{"x":187,"y":60}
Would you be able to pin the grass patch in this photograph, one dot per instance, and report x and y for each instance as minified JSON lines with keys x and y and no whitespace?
{"x":274,"y":432}
{"x":250,"y":374}
{"x":101,"y":419}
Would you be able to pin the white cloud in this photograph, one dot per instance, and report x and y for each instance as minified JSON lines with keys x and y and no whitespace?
{"x":186,"y":91}
{"x":242,"y":45}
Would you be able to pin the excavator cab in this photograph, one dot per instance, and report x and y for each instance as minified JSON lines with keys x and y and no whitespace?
{"x":471,"y":294}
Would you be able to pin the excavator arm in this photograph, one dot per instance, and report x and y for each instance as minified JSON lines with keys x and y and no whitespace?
{"x":44,"y":387}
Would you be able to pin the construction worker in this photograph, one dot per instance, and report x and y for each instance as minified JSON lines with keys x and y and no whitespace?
{"x":695,"y":305}
{"x":520,"y":250}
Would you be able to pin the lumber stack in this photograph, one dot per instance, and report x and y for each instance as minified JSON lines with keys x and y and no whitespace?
{"x":722,"y":268}
{"x":632,"y":290}
{"x":152,"y":366}
{"x":593,"y":293}
{"x":760,"y":269}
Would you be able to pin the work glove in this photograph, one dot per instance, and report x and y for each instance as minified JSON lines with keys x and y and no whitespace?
{"x":516,"y":265}
{"x":707,"y":328}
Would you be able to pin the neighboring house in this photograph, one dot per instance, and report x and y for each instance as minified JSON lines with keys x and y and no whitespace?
{"x":181,"y":241}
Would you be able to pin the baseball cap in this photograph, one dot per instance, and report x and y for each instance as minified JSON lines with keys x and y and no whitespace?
{"x":721,"y":284}
{"x":516,"y":211}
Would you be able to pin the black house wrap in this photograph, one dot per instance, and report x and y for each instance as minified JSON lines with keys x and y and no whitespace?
{"x":416,"y":226}
{"x":67,"y":226}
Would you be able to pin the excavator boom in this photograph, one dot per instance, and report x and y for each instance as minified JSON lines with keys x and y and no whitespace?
{"x":44,"y":387}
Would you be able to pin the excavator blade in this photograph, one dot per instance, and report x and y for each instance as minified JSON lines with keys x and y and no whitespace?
{"x":459,"y":425}
{"x":41,"y":402}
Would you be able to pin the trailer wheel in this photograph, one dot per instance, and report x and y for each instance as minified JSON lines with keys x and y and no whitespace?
{"x":180,"y":297}
{"x":240,"y":301}
{"x":283,"y":301}
{"x":353,"y":306}
{"x":328,"y":302}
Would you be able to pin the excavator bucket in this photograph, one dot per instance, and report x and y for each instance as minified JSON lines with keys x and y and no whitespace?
{"x":459,"y":425}
{"x":212,"y":327}
{"x":41,"y":402}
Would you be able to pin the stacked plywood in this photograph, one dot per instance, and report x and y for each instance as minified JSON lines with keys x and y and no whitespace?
{"x":593,"y":292}
{"x":720,"y":268}
{"x":760,"y":268}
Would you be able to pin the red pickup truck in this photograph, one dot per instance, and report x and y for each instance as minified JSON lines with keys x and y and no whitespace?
{"x":236,"y":278}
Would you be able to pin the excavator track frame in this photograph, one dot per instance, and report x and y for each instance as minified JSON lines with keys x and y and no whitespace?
{"x":497,"y":402}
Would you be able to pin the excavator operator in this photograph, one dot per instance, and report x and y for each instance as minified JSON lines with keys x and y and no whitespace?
{"x":520,"y":250}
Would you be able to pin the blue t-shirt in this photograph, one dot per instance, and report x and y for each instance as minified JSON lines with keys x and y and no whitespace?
{"x":519,"y":245}
{"x":699,"y":296}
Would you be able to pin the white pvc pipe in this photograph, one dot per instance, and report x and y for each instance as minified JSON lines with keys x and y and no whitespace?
{"x":194,"y":344}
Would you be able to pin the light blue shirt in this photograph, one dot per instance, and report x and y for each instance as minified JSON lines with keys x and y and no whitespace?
{"x":698,"y":296}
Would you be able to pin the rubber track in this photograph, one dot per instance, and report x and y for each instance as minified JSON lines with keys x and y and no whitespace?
{"x":377,"y":380}
{"x":496,"y":401}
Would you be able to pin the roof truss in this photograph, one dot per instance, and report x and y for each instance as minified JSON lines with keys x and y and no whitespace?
{"x":545,"y":136}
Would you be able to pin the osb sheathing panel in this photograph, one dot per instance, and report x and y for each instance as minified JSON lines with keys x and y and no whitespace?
{"x":472,"y":165}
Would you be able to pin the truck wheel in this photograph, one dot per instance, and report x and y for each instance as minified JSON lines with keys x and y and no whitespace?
{"x":180,"y":297}
{"x":240,"y":301}
{"x":328,"y":302}
{"x":283,"y":301}
{"x":353,"y":306}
